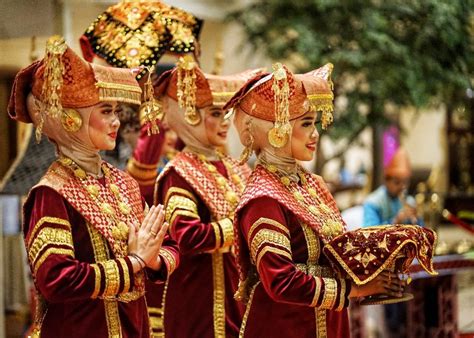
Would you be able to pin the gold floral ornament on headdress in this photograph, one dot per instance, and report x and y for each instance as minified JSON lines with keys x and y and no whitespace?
{"x":186,"y":89}
{"x":151,"y":109}
{"x":52,"y":81}
{"x":278,"y":136}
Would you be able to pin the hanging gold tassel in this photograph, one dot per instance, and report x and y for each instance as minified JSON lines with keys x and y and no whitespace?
{"x":278,"y":136}
{"x":151,"y":109}
{"x":53,"y":76}
{"x":323,"y":103}
{"x":186,"y":89}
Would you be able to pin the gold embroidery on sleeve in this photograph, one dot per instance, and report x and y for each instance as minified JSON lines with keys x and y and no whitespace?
{"x":217,"y":233}
{"x":179,"y":191}
{"x":112,"y":278}
{"x":317,"y":291}
{"x":142,"y":172}
{"x":126,"y":275}
{"x":227,"y":231}
{"x":97,"y":281}
{"x":268,"y":237}
{"x":54,"y":240}
{"x":168,"y":259}
{"x":177,"y":202}
{"x":263,"y":220}
{"x":330,"y":290}
{"x":46,"y":219}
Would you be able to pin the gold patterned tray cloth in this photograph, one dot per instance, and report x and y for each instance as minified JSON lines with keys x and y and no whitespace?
{"x":364,"y":253}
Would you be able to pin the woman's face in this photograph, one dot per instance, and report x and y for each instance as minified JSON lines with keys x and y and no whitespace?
{"x":216,"y":126}
{"x":104,"y":124}
{"x":304,"y":137}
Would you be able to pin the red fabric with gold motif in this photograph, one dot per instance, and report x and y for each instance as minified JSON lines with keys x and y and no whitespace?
{"x":202,"y":289}
{"x":283,"y":271}
{"x":85,"y":282}
{"x":364,"y":253}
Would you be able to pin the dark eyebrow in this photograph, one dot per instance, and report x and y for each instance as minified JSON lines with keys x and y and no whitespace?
{"x":309,"y":117}
{"x":105,"y":105}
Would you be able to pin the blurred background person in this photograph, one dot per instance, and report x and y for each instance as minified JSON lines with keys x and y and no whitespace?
{"x":390,"y":204}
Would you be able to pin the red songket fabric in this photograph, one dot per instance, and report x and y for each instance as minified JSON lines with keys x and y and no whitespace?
{"x":202,"y":289}
{"x":84,"y":288}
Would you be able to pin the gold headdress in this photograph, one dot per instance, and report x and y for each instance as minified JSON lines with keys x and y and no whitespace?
{"x":282,"y":96}
{"x":62,"y":81}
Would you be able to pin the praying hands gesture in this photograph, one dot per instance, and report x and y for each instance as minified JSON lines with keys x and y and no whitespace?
{"x":144,"y":242}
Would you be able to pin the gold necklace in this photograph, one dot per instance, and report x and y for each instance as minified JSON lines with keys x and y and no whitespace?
{"x":222,"y":182}
{"x":309,"y":198}
{"x":119,"y":220}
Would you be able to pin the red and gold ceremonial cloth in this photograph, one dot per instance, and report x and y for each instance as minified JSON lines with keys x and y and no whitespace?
{"x":364,"y":253}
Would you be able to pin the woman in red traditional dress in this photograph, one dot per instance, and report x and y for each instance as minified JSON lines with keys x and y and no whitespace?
{"x":86,"y":235}
{"x":286,"y":214}
{"x":200,"y":189}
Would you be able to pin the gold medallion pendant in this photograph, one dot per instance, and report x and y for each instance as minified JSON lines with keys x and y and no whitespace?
{"x":71,"y":120}
{"x":192,"y":117}
{"x":276,"y":138}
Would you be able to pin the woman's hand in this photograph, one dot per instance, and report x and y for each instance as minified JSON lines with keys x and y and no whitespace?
{"x":386,"y":283}
{"x":145,"y":242}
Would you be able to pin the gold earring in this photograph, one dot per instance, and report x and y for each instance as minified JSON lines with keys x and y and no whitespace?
{"x":248,"y":150}
{"x":71,"y":120}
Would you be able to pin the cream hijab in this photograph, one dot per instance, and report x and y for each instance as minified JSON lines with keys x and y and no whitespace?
{"x":195,"y":137}
{"x":75,"y":145}
{"x":282,"y":158}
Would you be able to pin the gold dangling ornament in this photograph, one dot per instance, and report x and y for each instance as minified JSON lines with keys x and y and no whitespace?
{"x":151,"y":109}
{"x":279,"y":135}
{"x":186,"y":91}
{"x":52,"y":82}
{"x":248,"y":150}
